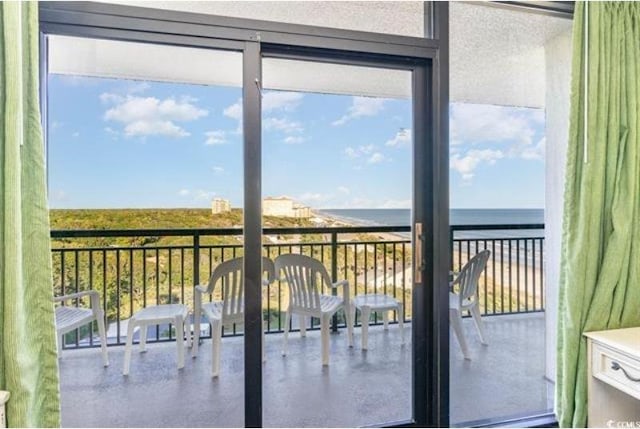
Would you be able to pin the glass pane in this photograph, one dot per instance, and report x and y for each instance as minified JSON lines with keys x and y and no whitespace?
{"x":337,"y":153}
{"x":509,"y":90}
{"x":145,"y":137}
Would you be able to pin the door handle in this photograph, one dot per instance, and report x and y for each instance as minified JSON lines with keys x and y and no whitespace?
{"x":419,"y":261}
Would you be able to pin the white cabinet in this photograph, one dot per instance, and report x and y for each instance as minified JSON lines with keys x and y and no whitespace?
{"x":4,"y":397}
{"x":614,"y":377}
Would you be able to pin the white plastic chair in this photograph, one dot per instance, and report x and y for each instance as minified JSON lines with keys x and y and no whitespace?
{"x":304,"y":276}
{"x":467,"y":299}
{"x":227,"y":311}
{"x":69,"y":318}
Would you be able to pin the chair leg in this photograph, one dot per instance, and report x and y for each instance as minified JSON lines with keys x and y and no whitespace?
{"x":187,"y":333}
{"x":103,"y":339}
{"x":303,"y":326}
{"x":264,"y":355}
{"x":60,"y":342}
{"x":128,"y":346}
{"x":366,"y":312}
{"x":324,"y":323}
{"x":143,"y":337}
{"x":287,"y":322}
{"x":216,"y":336}
{"x":350,"y":314}
{"x":180,"y":340}
{"x":475,"y":313}
{"x":401,"y":321}
{"x":455,"y":318}
{"x":385,"y":320}
{"x":196,"y":333}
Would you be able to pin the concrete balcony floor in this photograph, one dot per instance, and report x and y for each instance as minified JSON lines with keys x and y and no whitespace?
{"x":358,"y":388}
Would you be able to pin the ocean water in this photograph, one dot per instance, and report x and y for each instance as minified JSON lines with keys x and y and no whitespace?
{"x":402,"y":217}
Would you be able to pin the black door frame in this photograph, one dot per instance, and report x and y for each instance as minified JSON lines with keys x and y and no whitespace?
{"x":427,"y":58}
{"x":430,"y":340}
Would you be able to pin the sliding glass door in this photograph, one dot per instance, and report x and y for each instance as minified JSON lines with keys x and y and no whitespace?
{"x":146,"y":195}
{"x":337,"y":150}
{"x":262,"y":135}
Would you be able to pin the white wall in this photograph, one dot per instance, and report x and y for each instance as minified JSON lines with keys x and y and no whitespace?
{"x":557,"y":94}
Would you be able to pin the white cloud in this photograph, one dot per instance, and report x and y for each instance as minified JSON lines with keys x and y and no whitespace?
{"x":361,"y":106}
{"x":271,"y":101}
{"x":142,"y":108}
{"x":475,"y":123}
{"x":294,"y":140}
{"x":234,"y":111}
{"x":282,"y":124}
{"x":402,"y":137}
{"x":366,"y":148}
{"x":108,"y":97}
{"x":279,"y":100}
{"x":515,"y":128}
{"x":184,"y":192}
{"x":344,"y":190}
{"x":351,"y":153}
{"x":143,"y":116}
{"x":215,"y":137}
{"x":467,"y":164}
{"x":360,"y":151}
{"x":532,"y":152}
{"x":150,"y":128}
{"x":217,"y":170}
{"x":75,"y":134}
{"x":376,"y":158}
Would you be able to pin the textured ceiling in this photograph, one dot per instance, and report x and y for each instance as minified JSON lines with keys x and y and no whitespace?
{"x":404,"y":18}
{"x":497,"y":55}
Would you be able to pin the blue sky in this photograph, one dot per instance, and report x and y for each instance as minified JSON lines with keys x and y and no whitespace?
{"x":117,"y":143}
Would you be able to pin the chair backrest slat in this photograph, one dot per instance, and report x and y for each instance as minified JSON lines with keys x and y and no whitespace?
{"x":304,"y":276}
{"x":470,"y":275}
{"x":230,"y":275}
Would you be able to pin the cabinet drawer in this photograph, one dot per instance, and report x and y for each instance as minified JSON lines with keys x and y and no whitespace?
{"x":616,"y":369}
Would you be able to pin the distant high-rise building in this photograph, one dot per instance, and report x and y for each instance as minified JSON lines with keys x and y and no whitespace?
{"x":284,"y":207}
{"x":220,"y":205}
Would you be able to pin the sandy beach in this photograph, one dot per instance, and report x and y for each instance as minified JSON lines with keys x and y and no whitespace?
{"x":510,"y":281}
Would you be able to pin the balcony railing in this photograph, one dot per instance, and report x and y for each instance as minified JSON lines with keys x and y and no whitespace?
{"x":133,"y":269}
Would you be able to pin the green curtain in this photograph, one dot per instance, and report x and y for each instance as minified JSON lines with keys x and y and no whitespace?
{"x":28,"y":361}
{"x":600,"y":266}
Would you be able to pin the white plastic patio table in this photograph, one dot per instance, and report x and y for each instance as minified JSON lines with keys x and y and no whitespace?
{"x":381,"y":304}
{"x":164,"y":313}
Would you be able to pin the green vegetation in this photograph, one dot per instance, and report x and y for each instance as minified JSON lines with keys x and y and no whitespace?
{"x":157,"y":219}
{"x":133,"y":272}
{"x":123,"y":219}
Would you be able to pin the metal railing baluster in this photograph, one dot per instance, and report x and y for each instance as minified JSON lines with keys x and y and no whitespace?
{"x":348,"y":259}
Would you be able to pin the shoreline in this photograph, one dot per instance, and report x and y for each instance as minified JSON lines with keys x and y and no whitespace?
{"x":328,"y":220}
